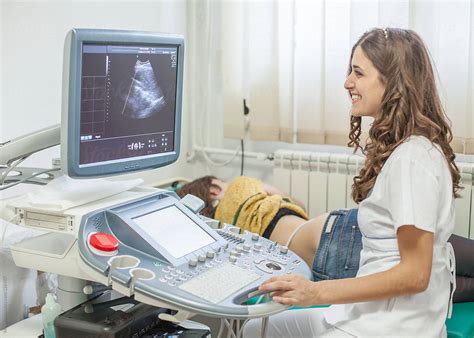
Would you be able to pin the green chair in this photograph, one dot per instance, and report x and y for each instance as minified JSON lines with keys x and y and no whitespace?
{"x":461,"y":324}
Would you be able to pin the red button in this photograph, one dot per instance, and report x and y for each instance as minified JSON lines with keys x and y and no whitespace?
{"x":103,"y":242}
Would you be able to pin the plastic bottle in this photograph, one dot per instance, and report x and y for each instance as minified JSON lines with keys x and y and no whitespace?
{"x":50,"y":310}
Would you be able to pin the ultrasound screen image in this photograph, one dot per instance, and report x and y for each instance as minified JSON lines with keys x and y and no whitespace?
{"x":144,"y":97}
{"x":128,"y":102}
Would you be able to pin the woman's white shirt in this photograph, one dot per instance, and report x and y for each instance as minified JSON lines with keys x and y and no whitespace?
{"x":413,"y":188}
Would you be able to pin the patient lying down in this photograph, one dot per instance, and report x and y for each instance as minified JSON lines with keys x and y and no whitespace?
{"x":257,"y":207}
{"x":330,"y":243}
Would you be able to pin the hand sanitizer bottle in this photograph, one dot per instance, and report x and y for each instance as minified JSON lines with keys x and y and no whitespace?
{"x":50,"y":310}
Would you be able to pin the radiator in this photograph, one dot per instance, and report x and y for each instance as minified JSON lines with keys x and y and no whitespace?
{"x":323,"y":182}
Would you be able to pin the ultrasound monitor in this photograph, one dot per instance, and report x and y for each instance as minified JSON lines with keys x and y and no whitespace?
{"x":122,"y":95}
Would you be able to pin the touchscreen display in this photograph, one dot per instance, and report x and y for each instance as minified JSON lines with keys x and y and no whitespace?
{"x":174,"y":231}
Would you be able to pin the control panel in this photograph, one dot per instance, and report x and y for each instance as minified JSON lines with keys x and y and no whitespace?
{"x":158,"y":247}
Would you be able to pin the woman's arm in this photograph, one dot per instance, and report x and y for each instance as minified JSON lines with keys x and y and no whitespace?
{"x":410,"y":276}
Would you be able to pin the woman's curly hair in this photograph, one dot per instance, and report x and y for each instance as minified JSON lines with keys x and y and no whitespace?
{"x":410,"y":104}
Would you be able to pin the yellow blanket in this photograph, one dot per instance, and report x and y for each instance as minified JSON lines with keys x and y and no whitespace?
{"x":247,"y":205}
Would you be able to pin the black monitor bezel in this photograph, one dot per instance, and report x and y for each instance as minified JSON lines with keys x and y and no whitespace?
{"x":70,"y":126}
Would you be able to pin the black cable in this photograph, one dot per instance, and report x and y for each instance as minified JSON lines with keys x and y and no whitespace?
{"x":246,"y":112}
{"x":242,"y":161}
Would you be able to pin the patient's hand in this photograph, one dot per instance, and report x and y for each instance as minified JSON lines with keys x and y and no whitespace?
{"x":271,"y":190}
{"x":291,"y":290}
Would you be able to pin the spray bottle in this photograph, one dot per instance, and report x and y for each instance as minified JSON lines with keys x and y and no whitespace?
{"x":50,"y":310}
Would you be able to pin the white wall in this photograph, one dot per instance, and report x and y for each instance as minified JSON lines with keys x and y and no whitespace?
{"x":32,"y":41}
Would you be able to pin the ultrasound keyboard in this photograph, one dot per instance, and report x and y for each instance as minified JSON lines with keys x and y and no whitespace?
{"x":163,"y":253}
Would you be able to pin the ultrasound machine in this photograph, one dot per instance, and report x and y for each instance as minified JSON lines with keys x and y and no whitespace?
{"x":121,"y":113}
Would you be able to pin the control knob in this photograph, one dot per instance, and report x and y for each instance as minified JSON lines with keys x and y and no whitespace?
{"x":236,"y":253}
{"x":232,"y":259}
{"x":210,"y":254}
{"x":201,"y":258}
{"x":235,"y":230}
{"x":193,"y":262}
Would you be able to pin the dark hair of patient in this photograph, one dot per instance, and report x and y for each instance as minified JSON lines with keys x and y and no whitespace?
{"x":201,"y":188}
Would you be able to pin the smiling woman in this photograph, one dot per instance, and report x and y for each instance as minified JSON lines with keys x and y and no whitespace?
{"x":406,"y":193}
{"x":365,"y":85}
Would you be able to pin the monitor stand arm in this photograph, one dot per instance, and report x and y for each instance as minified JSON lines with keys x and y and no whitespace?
{"x":28,"y":144}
